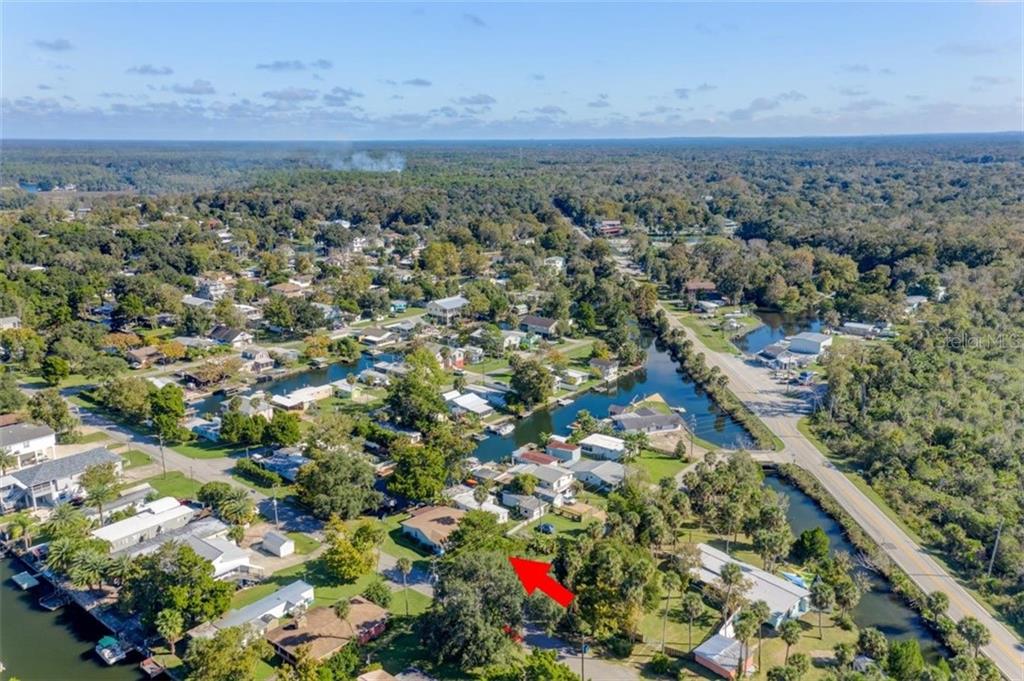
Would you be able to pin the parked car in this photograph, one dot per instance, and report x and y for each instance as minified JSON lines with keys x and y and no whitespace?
{"x":546,"y":528}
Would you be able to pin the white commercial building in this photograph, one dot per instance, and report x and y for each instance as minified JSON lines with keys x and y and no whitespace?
{"x":153,"y":519}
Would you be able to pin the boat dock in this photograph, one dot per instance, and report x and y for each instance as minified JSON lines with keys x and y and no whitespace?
{"x":25,"y":580}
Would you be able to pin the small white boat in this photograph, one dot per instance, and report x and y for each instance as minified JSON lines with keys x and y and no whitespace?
{"x":502,"y":428}
{"x":110,"y":650}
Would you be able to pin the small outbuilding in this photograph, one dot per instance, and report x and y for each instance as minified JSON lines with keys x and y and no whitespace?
{"x":278,"y":544}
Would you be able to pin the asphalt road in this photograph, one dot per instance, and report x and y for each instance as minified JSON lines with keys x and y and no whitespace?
{"x":781,"y":412}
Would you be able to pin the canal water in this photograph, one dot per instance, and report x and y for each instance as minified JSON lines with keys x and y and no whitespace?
{"x":775,"y":326}
{"x":879,"y":607}
{"x":301,"y":379}
{"x":37,"y":645}
{"x":658,"y":375}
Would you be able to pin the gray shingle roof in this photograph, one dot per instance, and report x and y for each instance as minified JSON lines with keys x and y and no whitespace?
{"x":66,"y":467}
{"x":22,"y":432}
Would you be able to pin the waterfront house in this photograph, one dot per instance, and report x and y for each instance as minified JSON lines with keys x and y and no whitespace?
{"x":600,"y":446}
{"x":53,"y":481}
{"x":263,"y":613}
{"x":431,"y":526}
{"x":303,"y":398}
{"x":376,"y":337}
{"x":446,"y":310}
{"x":542,"y":326}
{"x":257,"y":360}
{"x":208,"y":429}
{"x":559,"y":447}
{"x":152,"y":519}
{"x":860,"y":329}
{"x":570,"y":379}
{"x":607,"y":369}
{"x":644,"y":420}
{"x":467,"y":403}
{"x":321,"y":633}
{"x":256,"y":404}
{"x":785,"y":599}
{"x":599,"y":475}
{"x":526,"y":454}
{"x":28,"y":443}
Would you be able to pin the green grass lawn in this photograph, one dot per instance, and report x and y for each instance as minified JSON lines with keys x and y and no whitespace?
{"x":563,"y":526}
{"x":36,"y":381}
{"x":418,"y":602}
{"x":327,"y":588}
{"x":175,"y":484}
{"x":204,"y":449}
{"x":152,"y":335}
{"x":658,"y":465}
{"x":93,"y":438}
{"x":711,"y":332}
{"x":304,"y":544}
{"x":133,"y":458}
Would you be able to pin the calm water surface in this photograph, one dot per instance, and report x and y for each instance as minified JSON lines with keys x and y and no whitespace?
{"x":880,"y":607}
{"x":775,"y":326}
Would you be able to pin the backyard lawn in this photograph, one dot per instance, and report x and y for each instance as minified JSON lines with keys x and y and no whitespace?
{"x":327,"y":589}
{"x":418,"y":602}
{"x":659,"y":465}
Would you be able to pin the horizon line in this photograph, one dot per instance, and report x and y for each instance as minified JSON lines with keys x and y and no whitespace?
{"x":522,"y":139}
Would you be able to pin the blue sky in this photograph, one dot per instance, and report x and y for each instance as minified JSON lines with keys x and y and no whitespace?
{"x":471,"y":71}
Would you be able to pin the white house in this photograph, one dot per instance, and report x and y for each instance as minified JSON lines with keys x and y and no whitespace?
{"x":810,"y":343}
{"x":226,"y":557}
{"x":785,"y":599}
{"x":263,"y":612}
{"x":154,"y":518}
{"x":601,"y":446}
{"x":462,"y":497}
{"x":608,"y":369}
{"x":560,"y":448}
{"x":10,"y":323}
{"x":52,"y":481}
{"x":303,"y":398}
{"x":601,"y":475}
{"x":467,"y":403}
{"x":235,"y":338}
{"x":526,"y":507}
{"x":447,"y":309}
{"x":28,"y":443}
{"x":572,"y":378}
{"x":553,"y":478}
{"x":208,"y":429}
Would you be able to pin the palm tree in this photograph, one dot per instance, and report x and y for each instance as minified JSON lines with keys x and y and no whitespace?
{"x":101,"y":485}
{"x":790,"y":632}
{"x":732,"y":585}
{"x":171,"y":626}
{"x":405,"y":567}
{"x":760,"y":612}
{"x":822,"y":598}
{"x":66,"y":521}
{"x":61,"y":552}
{"x":22,"y":526}
{"x":744,"y":626}
{"x":122,"y":568}
{"x":236,"y":507}
{"x":88,"y":568}
{"x":692,"y":607}
{"x":671,"y":581}
{"x":974,"y":632}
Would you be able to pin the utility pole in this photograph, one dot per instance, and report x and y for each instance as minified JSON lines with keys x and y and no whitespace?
{"x":163,"y":460}
{"x":277,"y":523}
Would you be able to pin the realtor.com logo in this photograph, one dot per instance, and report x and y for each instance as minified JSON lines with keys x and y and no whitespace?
{"x":965,"y":340}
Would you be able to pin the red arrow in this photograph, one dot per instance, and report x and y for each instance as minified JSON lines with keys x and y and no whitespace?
{"x":534,"y":575}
